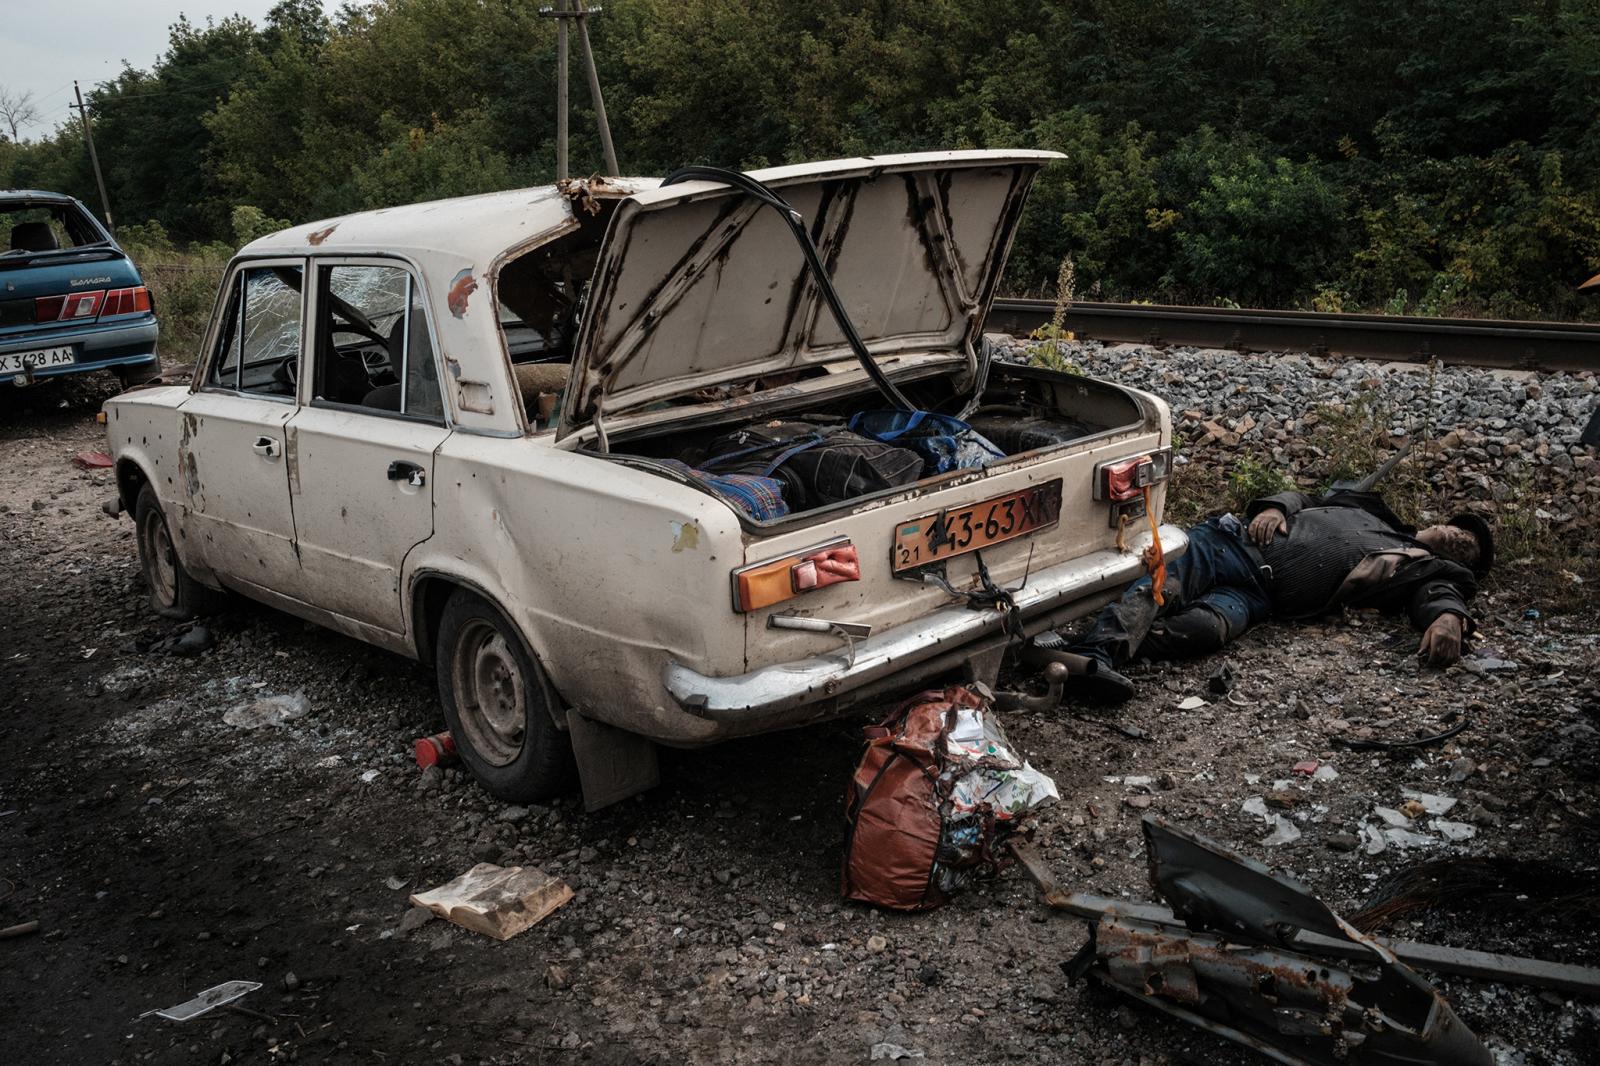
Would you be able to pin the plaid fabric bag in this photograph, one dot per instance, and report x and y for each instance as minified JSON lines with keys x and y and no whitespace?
{"x":759,"y":497}
{"x":818,"y":465}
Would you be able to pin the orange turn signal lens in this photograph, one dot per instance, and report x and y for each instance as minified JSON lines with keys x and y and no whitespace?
{"x":765,"y":584}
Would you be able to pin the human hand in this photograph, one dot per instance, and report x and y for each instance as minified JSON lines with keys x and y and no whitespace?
{"x":1441,"y":643}
{"x":1266,"y":525}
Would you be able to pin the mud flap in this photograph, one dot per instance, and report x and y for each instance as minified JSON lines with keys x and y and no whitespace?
{"x":613,"y":763}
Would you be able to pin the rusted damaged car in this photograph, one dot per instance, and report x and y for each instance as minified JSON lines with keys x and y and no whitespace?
{"x":467,"y":431}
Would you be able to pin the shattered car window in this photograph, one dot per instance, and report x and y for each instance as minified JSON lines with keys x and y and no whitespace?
{"x":260,"y":347}
{"x":31,"y":228}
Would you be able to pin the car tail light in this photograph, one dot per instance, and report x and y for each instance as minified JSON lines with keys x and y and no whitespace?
{"x":73,"y":307}
{"x":1126,"y":479}
{"x":765,"y":584}
{"x":126,"y":302}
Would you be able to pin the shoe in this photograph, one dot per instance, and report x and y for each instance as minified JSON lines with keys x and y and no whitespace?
{"x":1103,"y":688}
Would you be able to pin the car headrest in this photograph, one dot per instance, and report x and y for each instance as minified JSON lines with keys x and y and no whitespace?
{"x":33,"y":237}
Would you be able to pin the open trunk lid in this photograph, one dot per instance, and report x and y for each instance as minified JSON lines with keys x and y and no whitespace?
{"x":699,"y":284}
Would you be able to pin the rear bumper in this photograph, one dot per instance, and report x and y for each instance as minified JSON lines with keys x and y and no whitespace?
{"x":808,"y":689}
{"x":97,"y":347}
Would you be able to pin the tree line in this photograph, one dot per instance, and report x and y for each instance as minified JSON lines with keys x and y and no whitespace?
{"x":1419,"y":156}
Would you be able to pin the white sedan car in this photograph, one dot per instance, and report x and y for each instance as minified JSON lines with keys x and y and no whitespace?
{"x":627,"y":458}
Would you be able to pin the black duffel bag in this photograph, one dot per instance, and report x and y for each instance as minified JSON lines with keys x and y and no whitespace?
{"x":817,"y":465}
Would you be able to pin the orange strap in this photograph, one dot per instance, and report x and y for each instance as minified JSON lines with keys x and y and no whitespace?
{"x":1155,"y":559}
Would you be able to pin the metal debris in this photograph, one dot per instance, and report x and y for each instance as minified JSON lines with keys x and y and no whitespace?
{"x":212,"y":998}
{"x":1233,"y":957}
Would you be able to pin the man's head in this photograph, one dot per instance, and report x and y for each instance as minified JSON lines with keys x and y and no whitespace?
{"x":1464,"y":539}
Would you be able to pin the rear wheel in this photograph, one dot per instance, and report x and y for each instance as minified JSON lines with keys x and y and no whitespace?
{"x":496,"y":704}
{"x":173,"y":593}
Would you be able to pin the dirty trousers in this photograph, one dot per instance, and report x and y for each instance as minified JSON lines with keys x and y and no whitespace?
{"x":1213,"y":594}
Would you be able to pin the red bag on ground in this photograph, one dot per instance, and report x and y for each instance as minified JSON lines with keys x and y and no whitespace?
{"x":894,"y":806}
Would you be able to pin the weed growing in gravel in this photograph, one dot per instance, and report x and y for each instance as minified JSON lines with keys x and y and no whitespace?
{"x":1250,"y":479}
{"x":1047,"y":348}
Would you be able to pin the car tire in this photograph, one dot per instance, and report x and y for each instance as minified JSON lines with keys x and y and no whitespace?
{"x":497,"y":704}
{"x":173,"y":593}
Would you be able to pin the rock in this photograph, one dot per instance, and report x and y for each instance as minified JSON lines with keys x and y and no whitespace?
{"x":290,"y":981}
{"x":1139,"y":803}
{"x":556,"y":977}
{"x":412,"y":920}
{"x":1342,"y":841}
{"x":877,"y":944}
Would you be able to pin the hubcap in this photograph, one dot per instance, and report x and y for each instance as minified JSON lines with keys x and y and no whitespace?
{"x":162,"y":570}
{"x":490,"y":692}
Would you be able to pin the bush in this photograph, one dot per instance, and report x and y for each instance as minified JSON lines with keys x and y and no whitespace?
{"x":1262,"y":230}
{"x":183,"y":284}
{"x":250,"y":223}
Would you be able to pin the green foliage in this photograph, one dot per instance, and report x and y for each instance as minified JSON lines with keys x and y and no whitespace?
{"x":1304,"y":154}
{"x":1261,"y":230}
{"x":449,"y":159}
{"x":251,"y":222}
{"x":1250,"y":479}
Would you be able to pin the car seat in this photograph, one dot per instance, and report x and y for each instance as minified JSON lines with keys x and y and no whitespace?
{"x":33,"y":237}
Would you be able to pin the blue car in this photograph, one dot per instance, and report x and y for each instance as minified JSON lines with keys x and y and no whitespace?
{"x":71,"y":301}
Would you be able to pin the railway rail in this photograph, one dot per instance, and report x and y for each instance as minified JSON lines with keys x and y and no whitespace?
{"x":1500,"y":344}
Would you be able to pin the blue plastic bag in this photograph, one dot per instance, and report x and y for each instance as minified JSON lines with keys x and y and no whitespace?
{"x":944,"y":443}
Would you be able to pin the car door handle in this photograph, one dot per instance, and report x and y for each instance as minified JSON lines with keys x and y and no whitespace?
{"x":267,"y":447}
{"x":411,"y":473}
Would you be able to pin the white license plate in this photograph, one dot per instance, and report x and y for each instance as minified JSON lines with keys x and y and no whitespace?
{"x":43,"y":359}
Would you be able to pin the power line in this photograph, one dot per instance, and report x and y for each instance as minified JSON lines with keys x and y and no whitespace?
{"x":118,"y":97}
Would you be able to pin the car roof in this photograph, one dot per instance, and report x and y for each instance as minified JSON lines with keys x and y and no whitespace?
{"x":36,"y":194}
{"x":475,"y":228}
{"x":480,"y":229}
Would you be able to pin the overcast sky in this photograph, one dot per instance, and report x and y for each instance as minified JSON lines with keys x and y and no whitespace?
{"x":45,"y":45}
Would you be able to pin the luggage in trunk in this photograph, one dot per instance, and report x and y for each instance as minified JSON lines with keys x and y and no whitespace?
{"x":817,"y":464}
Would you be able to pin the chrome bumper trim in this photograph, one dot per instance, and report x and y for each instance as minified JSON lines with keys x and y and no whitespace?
{"x":785,"y":686}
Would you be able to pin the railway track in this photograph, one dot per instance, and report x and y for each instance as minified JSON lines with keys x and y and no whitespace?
{"x":1551,"y":346}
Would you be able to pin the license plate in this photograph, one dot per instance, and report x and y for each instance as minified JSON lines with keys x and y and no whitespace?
{"x":966,"y":529}
{"x":44,"y":358}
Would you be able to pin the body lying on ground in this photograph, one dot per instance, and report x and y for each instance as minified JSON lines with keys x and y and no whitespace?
{"x":1294,"y":556}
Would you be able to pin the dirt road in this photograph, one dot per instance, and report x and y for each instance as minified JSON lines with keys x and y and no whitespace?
{"x":164,"y":851}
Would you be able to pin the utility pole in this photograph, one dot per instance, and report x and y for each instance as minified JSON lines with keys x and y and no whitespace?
{"x":94,"y":160}
{"x":561,"y":90}
{"x":562,"y":12}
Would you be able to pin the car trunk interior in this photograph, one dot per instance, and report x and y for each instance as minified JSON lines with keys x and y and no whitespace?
{"x":1023,"y":412}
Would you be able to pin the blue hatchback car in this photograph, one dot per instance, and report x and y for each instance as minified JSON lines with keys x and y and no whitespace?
{"x":71,"y":301}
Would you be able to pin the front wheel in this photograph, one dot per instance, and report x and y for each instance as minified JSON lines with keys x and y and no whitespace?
{"x":496,"y":704}
{"x":173,"y":593}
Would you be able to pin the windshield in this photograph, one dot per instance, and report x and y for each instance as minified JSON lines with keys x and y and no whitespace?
{"x":28,"y":227}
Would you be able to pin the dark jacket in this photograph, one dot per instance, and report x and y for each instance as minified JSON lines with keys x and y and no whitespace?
{"x":1350,"y":549}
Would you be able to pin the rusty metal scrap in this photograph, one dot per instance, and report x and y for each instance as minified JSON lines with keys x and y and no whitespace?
{"x":1241,"y":954}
